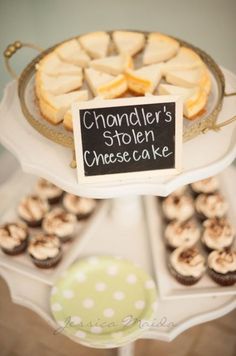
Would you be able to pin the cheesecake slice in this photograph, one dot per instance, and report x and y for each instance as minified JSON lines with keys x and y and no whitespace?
{"x":128,"y":42}
{"x":194,"y":99}
{"x":96,"y":44}
{"x":185,"y":59}
{"x":54,"y":107}
{"x":53,"y":66}
{"x":56,"y":85}
{"x":159,"y":48}
{"x":71,"y":52}
{"x":113,"y":65}
{"x":190,"y":78}
{"x":145,"y":79}
{"x":105,"y":85}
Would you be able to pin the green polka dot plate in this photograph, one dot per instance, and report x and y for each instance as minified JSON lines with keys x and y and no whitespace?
{"x":104,"y":301}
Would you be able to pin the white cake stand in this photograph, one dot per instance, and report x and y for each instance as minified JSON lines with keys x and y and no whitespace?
{"x":203,"y":156}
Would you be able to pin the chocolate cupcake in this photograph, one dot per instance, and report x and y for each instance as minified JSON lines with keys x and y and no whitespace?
{"x":182,"y":233}
{"x":187,"y":265}
{"x":81,"y":207}
{"x":32,"y":210}
{"x":211,"y":206}
{"x":48,"y":191}
{"x":218,"y":234}
{"x":222,"y":267}
{"x":60,"y":223}
{"x":13,"y":238}
{"x":205,"y":186}
{"x":45,"y":250}
{"x":178,"y":207}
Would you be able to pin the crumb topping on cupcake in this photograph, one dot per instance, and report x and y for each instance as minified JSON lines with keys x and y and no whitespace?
{"x":78,"y":205}
{"x":208,"y":185}
{"x":178,"y":233}
{"x":212,"y":205}
{"x":12,"y":235}
{"x":223,"y":261}
{"x":188,"y":261}
{"x":59,"y":222}
{"x":218,"y":233}
{"x":47,"y":190}
{"x":32,"y":208}
{"x":44,"y":246}
{"x":179,"y":207}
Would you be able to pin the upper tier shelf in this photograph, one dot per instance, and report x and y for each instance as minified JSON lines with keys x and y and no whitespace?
{"x":203,"y":156}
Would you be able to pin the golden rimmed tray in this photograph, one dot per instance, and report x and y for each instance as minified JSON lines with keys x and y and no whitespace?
{"x":58,"y":134}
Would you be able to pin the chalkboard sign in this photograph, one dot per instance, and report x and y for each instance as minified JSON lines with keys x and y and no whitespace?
{"x":127,"y":138}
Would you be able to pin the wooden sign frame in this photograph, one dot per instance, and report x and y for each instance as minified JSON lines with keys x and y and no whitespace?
{"x":99,"y":103}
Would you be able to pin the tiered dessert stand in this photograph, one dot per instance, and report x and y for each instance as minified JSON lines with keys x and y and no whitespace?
{"x":203,"y":156}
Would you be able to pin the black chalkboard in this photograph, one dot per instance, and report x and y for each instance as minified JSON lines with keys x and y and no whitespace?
{"x":133,"y":138}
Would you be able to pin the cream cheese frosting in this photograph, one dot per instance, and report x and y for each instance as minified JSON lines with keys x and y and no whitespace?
{"x":12,"y":235}
{"x":223,"y":261}
{"x":32,"y":208}
{"x":59,"y":222}
{"x":47,"y":190}
{"x":212,"y":205}
{"x":179,"y":207}
{"x":218,"y":233}
{"x":188,"y":262}
{"x":44,"y":246}
{"x":208,"y":185}
{"x":179,"y":233}
{"x":78,"y":205}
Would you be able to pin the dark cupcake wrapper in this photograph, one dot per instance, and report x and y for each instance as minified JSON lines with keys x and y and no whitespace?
{"x":33,"y":224}
{"x":185,"y":280}
{"x":55,"y":200}
{"x":225,"y":280}
{"x":16,"y":250}
{"x":49,"y":262}
{"x":210,"y":249}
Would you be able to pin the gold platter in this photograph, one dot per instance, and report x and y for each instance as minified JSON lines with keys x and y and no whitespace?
{"x":59,"y":135}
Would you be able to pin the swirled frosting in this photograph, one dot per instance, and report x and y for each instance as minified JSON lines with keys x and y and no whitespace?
{"x":32,"y":208}
{"x":218,"y":233}
{"x":59,"y":222}
{"x":179,"y":233}
{"x":179,"y":207}
{"x":13,"y":234}
{"x":212,"y":205}
{"x":44,"y":246}
{"x":78,"y":205}
{"x":208,"y":185}
{"x":188,"y":261}
{"x":47,"y":190}
{"x":222,"y":261}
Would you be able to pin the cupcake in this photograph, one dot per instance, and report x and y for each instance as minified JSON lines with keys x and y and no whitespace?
{"x":48,"y":191}
{"x":45,"y":250}
{"x":32,"y":210}
{"x":211,"y":206}
{"x":218,"y":233}
{"x":187,"y":265}
{"x":14,"y":238}
{"x":182,"y":233}
{"x":60,"y":223}
{"x":222,"y":267}
{"x":178,"y":207}
{"x":81,"y":207}
{"x":205,"y":186}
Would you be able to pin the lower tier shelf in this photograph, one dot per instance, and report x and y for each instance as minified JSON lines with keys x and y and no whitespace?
{"x":123,"y":232}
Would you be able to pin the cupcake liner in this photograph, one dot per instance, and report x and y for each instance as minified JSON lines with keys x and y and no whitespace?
{"x":55,"y":200}
{"x":225,"y":280}
{"x":16,"y":250}
{"x":49,"y":262}
{"x":185,"y":280}
{"x":33,"y":224}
